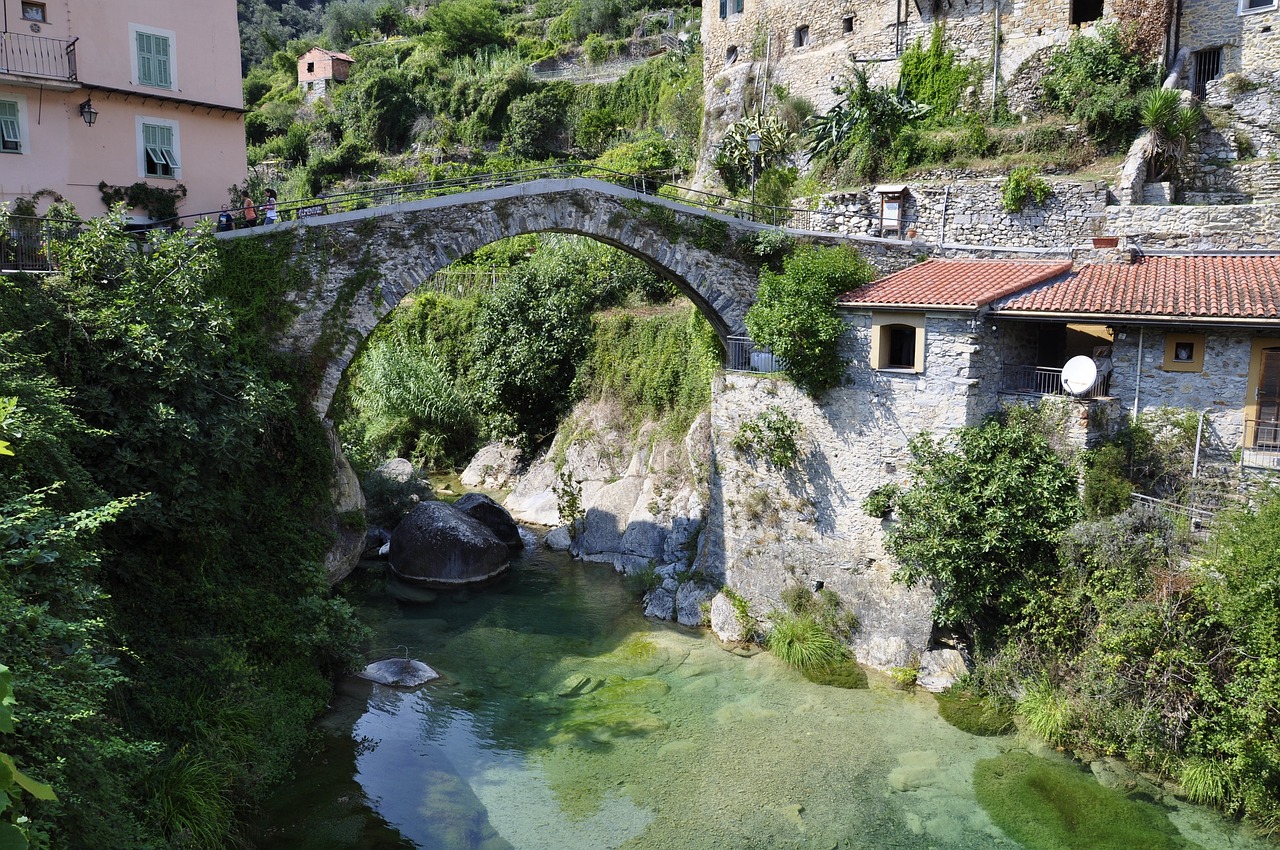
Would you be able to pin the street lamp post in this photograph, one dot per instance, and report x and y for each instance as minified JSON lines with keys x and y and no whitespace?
{"x":753,"y":144}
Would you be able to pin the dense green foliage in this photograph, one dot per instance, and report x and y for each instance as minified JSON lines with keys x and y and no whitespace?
{"x":982,"y":522}
{"x":795,"y":312}
{"x":1097,"y":81}
{"x":168,"y":660}
{"x":771,"y":435}
{"x":1022,"y":187}
{"x":444,"y":373}
{"x":932,"y":76}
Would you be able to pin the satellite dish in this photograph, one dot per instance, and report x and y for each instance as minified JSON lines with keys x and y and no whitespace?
{"x":1081,"y":374}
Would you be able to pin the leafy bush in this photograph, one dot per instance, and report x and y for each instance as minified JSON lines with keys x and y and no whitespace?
{"x":1096,"y":81}
{"x":879,"y":502}
{"x":933,"y":76}
{"x":1022,"y":186}
{"x":866,"y":130}
{"x":771,"y":435}
{"x":983,"y":520}
{"x":1047,"y":712}
{"x":794,"y":313}
{"x":1106,"y":490}
{"x":463,"y":27}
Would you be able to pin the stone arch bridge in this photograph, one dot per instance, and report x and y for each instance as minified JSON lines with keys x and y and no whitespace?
{"x":362,"y":263}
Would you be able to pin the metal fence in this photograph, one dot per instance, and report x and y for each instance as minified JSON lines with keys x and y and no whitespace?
{"x":1043,"y":380}
{"x":645,"y":184}
{"x":25,"y":242}
{"x":37,"y":56}
{"x":743,"y":355}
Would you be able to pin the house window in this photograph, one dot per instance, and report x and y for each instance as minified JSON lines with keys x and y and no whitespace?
{"x":846,"y":26}
{"x":311,"y":67}
{"x":33,"y":12}
{"x":1247,"y":6}
{"x":10,"y":129}
{"x":802,"y":36}
{"x":153,"y":58}
{"x":1086,"y":11}
{"x":730,"y":7}
{"x":731,"y":54}
{"x":1183,"y":353}
{"x":159,"y":150}
{"x":897,"y":342}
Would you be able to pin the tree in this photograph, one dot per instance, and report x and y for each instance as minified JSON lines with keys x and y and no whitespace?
{"x":795,"y":312}
{"x":981,"y":524}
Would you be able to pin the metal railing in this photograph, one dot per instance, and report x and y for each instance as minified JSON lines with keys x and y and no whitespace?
{"x":37,"y":56}
{"x":462,"y":282}
{"x":25,"y":242}
{"x":1262,"y":435}
{"x":1198,"y":518}
{"x":378,"y":196}
{"x":1043,"y":380}
{"x":743,"y":355}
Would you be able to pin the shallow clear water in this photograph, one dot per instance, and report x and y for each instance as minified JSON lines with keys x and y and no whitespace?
{"x":565,"y":720}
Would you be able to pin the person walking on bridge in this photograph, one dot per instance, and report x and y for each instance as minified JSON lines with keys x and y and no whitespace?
{"x":249,"y":212}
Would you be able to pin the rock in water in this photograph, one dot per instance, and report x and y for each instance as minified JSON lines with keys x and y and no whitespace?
{"x":399,"y":673}
{"x":481,"y":507}
{"x":439,"y":546}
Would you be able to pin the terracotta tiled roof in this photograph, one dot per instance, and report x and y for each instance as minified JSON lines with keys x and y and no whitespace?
{"x":1212,"y":287}
{"x":954,"y":284}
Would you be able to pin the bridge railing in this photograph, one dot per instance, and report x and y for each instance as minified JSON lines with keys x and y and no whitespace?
{"x":378,"y":196}
{"x":743,"y":355}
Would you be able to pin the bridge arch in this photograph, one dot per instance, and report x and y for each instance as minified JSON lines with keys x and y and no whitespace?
{"x":364,"y":262}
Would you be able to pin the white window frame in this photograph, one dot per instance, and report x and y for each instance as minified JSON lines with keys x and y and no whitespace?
{"x":1244,"y":9}
{"x":172,"y":157}
{"x":20,"y":104}
{"x":170,"y":36}
{"x":29,"y":6}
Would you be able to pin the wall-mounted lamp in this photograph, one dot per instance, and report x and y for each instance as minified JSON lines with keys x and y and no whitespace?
{"x":88,"y":113}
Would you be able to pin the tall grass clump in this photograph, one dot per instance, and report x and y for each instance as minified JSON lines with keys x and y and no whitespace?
{"x":1048,"y":713}
{"x":804,"y":643}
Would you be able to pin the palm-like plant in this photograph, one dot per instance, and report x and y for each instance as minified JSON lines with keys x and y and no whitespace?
{"x":1170,"y":128}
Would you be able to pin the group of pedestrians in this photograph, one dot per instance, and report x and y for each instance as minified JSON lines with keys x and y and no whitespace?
{"x":251,"y":215}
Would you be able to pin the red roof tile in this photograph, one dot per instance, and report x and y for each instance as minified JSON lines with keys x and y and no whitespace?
{"x":954,"y":284}
{"x":1213,"y":287}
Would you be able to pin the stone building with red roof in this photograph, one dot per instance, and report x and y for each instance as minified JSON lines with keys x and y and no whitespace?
{"x":1198,"y":333}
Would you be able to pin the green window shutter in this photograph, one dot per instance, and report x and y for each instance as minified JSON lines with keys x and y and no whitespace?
{"x":161,"y":53}
{"x":153,"y":61}
{"x":724,"y":8}
{"x":737,"y":6}
{"x":146,"y":73}
{"x":10,"y":132}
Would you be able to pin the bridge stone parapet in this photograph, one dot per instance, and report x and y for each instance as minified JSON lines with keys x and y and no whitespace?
{"x":364,"y":262}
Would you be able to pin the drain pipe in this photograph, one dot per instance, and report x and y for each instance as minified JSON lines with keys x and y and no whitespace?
{"x":1137,"y":382}
{"x":1195,"y":465}
{"x":942,"y":228}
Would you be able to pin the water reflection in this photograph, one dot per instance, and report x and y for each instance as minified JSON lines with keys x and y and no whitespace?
{"x":564,"y":720}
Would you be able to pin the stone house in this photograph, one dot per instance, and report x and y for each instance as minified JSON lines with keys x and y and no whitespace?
{"x":318,"y":69}
{"x":1198,"y":333}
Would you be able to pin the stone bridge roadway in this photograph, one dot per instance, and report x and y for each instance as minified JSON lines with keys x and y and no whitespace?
{"x":362,"y":263}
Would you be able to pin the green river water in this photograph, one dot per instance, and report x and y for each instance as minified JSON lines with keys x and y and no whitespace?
{"x":564,"y":720}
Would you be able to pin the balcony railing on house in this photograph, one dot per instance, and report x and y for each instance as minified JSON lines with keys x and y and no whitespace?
{"x":1043,"y":380}
{"x":1261,"y":444}
{"x":743,"y":355}
{"x":37,"y":56}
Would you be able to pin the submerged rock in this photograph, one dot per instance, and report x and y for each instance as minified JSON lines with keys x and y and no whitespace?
{"x":399,"y":673}
{"x":559,"y":539}
{"x":486,"y":510}
{"x":438,"y":545}
{"x":724,"y":620}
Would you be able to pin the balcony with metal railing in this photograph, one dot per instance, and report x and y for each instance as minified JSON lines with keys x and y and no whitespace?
{"x":25,"y":242}
{"x":42,"y":59}
{"x":1261,"y":448}
{"x":1044,"y":380}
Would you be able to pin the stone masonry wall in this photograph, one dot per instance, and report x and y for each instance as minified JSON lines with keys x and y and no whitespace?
{"x":1201,"y":228}
{"x":1220,"y":388}
{"x":970,"y":212}
{"x":770,"y":528}
{"x":1250,"y":41}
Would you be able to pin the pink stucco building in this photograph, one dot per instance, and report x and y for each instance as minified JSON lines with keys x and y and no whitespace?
{"x":160,"y":81}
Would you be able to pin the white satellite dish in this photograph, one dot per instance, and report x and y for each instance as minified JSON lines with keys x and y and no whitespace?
{"x":1081,"y":373}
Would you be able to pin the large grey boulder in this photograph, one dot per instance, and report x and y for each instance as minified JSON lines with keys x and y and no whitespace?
{"x":438,"y":545}
{"x":660,"y":603}
{"x":494,"y":467}
{"x":481,"y":507}
{"x":940,"y":669}
{"x":689,"y":599}
{"x":348,"y":504}
{"x":725,"y":622}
